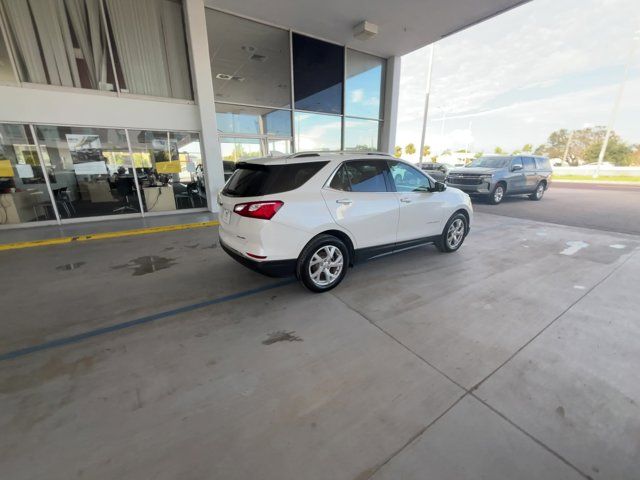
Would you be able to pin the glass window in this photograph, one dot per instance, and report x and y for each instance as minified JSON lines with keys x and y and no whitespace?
{"x":149,"y":47}
{"x":89,"y":170}
{"x":318,"y":69}
{"x":514,"y":162}
{"x":408,"y":179}
{"x":169,"y":169}
{"x":251,"y":180}
{"x":250,"y":62}
{"x":340,"y":180}
{"x":235,"y":149}
{"x":367,"y":176}
{"x":365,"y":85}
{"x":529,"y":163}
{"x":279,"y":147}
{"x":59,"y":43}
{"x":543,"y":163}
{"x":250,"y":120}
{"x":23,"y":191}
{"x":6,"y":70}
{"x":317,"y":132}
{"x":361,"y":134}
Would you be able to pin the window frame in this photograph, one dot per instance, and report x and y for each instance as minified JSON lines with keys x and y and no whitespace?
{"x":430,"y":181}
{"x":514,"y":162}
{"x":386,"y":174}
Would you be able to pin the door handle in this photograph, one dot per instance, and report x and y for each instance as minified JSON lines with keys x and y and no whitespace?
{"x":405,"y":200}
{"x":344,"y":201}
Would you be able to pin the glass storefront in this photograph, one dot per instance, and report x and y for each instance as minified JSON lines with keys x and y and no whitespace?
{"x":130,"y":46}
{"x":337,"y":92}
{"x":23,"y":190}
{"x":81,"y":172}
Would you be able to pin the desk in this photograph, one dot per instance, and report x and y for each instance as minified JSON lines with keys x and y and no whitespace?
{"x":18,"y":207}
{"x":96,"y":192}
{"x":159,"y":199}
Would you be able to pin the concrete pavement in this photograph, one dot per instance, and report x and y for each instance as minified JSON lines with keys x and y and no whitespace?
{"x":513,"y":358}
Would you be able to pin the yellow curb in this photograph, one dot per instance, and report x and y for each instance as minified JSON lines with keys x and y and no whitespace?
{"x":106,"y":235}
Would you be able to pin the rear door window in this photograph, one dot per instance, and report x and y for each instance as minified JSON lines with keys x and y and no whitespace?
{"x":253,"y":180}
{"x":543,"y":163}
{"x":361,"y":176}
{"x":529,"y":163}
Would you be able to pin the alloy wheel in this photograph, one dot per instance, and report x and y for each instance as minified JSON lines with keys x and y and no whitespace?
{"x":326,"y":265}
{"x":498,"y":194}
{"x":455,"y":233}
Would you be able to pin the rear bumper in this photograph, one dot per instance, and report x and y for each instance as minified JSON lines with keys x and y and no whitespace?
{"x":275,"y":268}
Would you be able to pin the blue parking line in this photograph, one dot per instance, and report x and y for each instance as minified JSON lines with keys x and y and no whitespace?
{"x":139,"y":321}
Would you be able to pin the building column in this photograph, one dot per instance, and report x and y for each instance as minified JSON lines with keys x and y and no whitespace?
{"x":391,"y":95}
{"x":203,"y":90}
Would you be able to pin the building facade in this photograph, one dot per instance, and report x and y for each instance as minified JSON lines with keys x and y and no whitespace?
{"x":128,"y":108}
{"x":142,"y":107}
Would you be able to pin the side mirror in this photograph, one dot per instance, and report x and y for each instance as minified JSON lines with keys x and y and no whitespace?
{"x":438,"y":187}
{"x":515,"y":168}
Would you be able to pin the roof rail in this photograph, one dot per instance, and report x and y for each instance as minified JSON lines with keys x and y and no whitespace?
{"x":337,"y":152}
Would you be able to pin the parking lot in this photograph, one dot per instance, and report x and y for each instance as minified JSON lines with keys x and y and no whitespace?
{"x":159,"y":357}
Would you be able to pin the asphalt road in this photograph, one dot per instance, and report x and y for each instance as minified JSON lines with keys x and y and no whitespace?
{"x":613,"y":208}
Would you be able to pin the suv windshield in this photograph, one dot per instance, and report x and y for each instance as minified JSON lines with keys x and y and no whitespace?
{"x":490,"y":162}
{"x":252,"y":179}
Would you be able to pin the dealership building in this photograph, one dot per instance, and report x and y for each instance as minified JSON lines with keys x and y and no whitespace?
{"x":131,"y":108}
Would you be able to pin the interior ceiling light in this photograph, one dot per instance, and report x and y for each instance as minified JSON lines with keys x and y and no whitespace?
{"x":224,"y":76}
{"x":365,"y":30}
{"x":249,"y":48}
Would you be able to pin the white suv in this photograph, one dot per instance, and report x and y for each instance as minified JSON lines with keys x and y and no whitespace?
{"x":316,"y":214}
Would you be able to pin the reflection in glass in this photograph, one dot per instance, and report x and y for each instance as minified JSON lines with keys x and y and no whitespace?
{"x":235,"y":149}
{"x":59,"y":43}
{"x":23,"y":191}
{"x":150,"y":47}
{"x":90,"y":170}
{"x":169,"y":169}
{"x":279,"y":147}
{"x":365,"y":84}
{"x":317,"y":132}
{"x":318,"y":69}
{"x":6,"y":70}
{"x":249,"y":120}
{"x":361,"y":134}
{"x":249,"y":61}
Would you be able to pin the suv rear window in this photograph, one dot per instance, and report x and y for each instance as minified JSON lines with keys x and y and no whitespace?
{"x":254,"y":180}
{"x":543,"y":163}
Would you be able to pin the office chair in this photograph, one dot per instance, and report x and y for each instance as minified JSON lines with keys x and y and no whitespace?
{"x":124,"y":186}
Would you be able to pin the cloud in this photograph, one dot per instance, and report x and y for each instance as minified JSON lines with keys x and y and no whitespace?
{"x":517,"y":77}
{"x":357,"y":95}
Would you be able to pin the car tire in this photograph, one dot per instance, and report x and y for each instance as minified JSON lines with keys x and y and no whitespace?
{"x":539,"y":193}
{"x":323,"y":263}
{"x":497,"y":194}
{"x":453,"y":234}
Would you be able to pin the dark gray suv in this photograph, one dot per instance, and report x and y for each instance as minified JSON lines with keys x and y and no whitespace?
{"x":498,"y":175}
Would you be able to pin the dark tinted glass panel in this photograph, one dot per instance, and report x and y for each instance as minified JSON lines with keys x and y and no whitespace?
{"x":318,"y":69}
{"x":251,"y":180}
{"x":529,"y":163}
{"x":249,"y":61}
{"x":340,"y":180}
{"x":365,"y":81}
{"x":367,"y":176}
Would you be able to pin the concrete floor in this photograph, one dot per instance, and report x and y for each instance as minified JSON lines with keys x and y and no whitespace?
{"x":515,"y":358}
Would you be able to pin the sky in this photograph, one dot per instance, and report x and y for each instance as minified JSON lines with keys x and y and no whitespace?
{"x":517,"y":77}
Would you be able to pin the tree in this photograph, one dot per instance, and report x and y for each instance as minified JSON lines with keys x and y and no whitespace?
{"x":498,"y":150}
{"x":410,"y":149}
{"x":527,"y":148}
{"x":585,"y":146}
{"x":478,"y":154}
{"x":398,"y":151}
{"x":516,"y":152}
{"x":426,"y":151}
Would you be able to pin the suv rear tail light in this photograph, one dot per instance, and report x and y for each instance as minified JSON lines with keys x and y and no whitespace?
{"x":263,"y":210}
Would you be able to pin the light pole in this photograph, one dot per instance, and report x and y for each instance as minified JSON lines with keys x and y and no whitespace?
{"x":426,"y":104}
{"x":566,"y":149}
{"x":616,"y":105}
